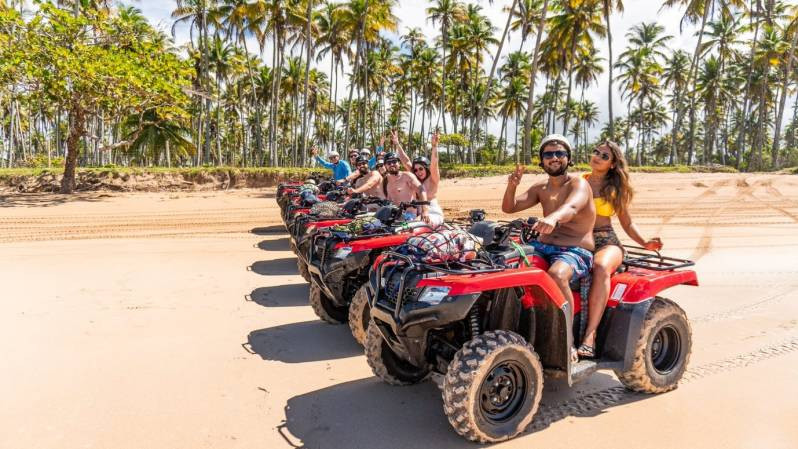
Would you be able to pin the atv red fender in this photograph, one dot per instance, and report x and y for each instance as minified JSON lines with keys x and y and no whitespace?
{"x":639,"y":284}
{"x":463,"y":284}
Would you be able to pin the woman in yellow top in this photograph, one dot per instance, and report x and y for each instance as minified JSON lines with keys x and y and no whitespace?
{"x":612,"y":194}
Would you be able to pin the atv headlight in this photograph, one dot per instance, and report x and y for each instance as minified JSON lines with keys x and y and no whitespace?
{"x":433,"y":295}
{"x":342,"y":252}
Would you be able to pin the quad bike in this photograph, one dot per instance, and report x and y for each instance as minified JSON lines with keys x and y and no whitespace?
{"x":493,"y":325}
{"x":299,"y":205}
{"x":339,"y":265}
{"x":285,"y":190}
{"x":306,"y":226}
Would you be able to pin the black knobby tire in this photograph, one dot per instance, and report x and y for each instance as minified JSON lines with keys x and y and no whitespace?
{"x":359,"y":315}
{"x":324,"y":307}
{"x":302,"y":267}
{"x":493,"y":387}
{"x":388,"y":366}
{"x":662,"y":351}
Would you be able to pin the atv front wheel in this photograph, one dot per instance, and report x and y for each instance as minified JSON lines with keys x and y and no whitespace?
{"x":324,"y":307}
{"x":302,"y":267}
{"x":493,"y":387}
{"x":662,"y":350}
{"x":386,"y":364}
{"x":359,"y":315}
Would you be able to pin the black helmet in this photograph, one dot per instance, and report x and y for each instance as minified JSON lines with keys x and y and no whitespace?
{"x":388,"y":214}
{"x":361,"y":159}
{"x":423,"y":160}
{"x":379,"y":163}
{"x":390,"y":157}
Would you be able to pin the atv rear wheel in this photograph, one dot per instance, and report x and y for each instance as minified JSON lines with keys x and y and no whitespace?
{"x":388,"y":366}
{"x":493,"y":387}
{"x":302,"y":267}
{"x":359,"y":315}
{"x":662,"y":350}
{"x":324,"y":307}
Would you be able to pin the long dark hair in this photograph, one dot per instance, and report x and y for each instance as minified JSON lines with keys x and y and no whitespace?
{"x":617,"y":189}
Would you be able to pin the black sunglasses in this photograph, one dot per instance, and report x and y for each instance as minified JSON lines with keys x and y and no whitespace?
{"x":559,"y":154}
{"x":604,"y":156}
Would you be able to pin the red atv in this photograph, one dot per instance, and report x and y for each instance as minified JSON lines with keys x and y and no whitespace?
{"x":339,"y":264}
{"x":492,"y":325}
{"x":305,"y":226}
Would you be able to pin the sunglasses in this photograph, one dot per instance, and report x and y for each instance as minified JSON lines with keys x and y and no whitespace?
{"x":559,"y":154}
{"x":602,"y":155}
{"x":419,"y":169}
{"x":359,"y":164}
{"x":392,"y":163}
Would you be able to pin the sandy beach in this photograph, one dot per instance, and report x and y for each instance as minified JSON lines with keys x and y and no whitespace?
{"x":178,"y":320}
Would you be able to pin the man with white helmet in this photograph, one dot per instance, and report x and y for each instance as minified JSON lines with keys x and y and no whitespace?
{"x":566,"y":229}
{"x":339,"y":168}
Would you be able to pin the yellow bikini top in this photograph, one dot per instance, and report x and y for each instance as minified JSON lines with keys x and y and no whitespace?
{"x":603,"y":207}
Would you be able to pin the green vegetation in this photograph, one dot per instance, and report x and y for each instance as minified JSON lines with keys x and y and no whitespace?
{"x":93,"y":84}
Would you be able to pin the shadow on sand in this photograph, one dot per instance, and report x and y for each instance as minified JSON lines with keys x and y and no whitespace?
{"x":307,"y":341}
{"x":268,"y":230}
{"x":285,"y":265}
{"x":368,"y":413}
{"x":280,"y":244}
{"x":49,"y":199}
{"x":290,"y":295}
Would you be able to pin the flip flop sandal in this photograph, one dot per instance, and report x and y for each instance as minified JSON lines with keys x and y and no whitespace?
{"x":586,"y":352}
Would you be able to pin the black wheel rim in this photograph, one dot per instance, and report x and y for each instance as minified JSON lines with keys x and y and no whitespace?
{"x":666,"y":347}
{"x":503,"y":391}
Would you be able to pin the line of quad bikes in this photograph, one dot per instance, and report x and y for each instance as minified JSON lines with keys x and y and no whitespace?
{"x":470,"y":304}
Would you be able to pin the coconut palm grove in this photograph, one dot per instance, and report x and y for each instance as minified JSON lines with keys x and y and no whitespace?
{"x":93,"y":83}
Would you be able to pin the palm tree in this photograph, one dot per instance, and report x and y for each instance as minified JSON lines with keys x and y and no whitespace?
{"x":527,"y":141}
{"x":446,"y":12}
{"x":792,"y":27}
{"x":676,"y":78}
{"x":570,"y":30}
{"x":333,"y":40}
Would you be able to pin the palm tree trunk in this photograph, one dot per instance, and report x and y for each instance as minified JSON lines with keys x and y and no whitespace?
{"x":352,"y":83}
{"x":258,"y":113}
{"x":484,"y":99}
{"x":749,"y":79}
{"x":304,"y":148}
{"x":334,"y":75}
{"x":445,"y":36}
{"x":609,"y":67}
{"x":691,"y":81}
{"x":527,"y":140}
{"x":782,"y":101}
{"x":568,"y":96}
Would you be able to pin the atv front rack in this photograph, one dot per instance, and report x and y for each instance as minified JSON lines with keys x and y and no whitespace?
{"x":640,"y":257}
{"x":413,"y":265}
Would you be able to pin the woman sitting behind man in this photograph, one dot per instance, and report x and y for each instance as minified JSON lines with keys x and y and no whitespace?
{"x":612,"y":194}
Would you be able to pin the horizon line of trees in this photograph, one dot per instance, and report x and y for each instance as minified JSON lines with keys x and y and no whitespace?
{"x":724,"y":103}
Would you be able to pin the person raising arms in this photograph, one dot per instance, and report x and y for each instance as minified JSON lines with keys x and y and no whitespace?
{"x":612,"y":195}
{"x":427,"y":171}
{"x":339,"y":168}
{"x":402,"y":187}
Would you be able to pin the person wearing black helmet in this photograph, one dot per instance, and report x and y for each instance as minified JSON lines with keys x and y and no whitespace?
{"x":379,"y":165}
{"x":365,"y":180}
{"x":402,"y":187}
{"x":566,"y":229}
{"x":426,"y":170}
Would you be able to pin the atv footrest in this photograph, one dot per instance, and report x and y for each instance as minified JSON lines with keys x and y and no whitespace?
{"x":582,"y":369}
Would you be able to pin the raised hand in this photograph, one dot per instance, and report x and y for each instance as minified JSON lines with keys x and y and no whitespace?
{"x":435,"y":139}
{"x":515,"y":177}
{"x":394,"y":137}
{"x":314,"y":150}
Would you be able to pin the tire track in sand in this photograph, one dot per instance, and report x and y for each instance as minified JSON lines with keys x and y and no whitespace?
{"x":593,"y":403}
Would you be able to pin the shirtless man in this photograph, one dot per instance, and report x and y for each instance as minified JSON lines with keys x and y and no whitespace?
{"x":566,"y":229}
{"x":402,"y":187}
{"x":365,"y":181}
{"x":428,"y":173}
